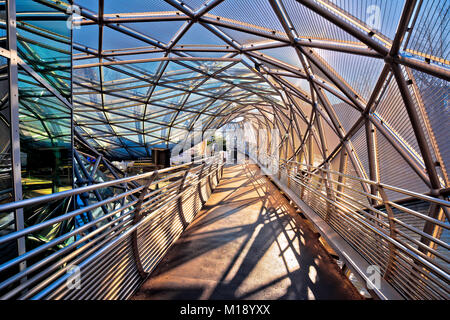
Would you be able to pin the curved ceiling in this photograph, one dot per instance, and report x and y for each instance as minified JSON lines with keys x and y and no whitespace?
{"x":367,"y":80}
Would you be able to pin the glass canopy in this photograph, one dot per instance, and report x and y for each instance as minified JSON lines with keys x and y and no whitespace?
{"x":364,"y":78}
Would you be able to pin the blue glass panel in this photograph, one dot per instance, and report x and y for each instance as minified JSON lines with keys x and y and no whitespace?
{"x":46,"y":139}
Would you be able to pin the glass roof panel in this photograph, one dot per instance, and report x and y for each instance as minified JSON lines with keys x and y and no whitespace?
{"x":141,"y":93}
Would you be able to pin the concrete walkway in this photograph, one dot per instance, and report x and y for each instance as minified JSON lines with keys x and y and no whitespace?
{"x":247,"y":243}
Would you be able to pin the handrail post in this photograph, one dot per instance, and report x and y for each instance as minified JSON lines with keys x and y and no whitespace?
{"x":330,"y":193}
{"x":217,"y":171}
{"x":199,"y":186}
{"x":138,"y":217}
{"x":392,"y":232}
{"x":180,"y":199}
{"x":209,"y":177}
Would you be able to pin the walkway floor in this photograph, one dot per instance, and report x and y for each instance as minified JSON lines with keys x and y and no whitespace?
{"x":247,"y":243}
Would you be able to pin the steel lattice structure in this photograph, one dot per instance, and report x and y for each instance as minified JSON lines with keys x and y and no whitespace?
{"x":358,"y":90}
{"x":369,"y":101}
{"x":310,"y":68}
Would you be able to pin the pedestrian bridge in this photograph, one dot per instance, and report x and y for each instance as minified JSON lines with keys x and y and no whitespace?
{"x":224,"y":149}
{"x":248,"y":242}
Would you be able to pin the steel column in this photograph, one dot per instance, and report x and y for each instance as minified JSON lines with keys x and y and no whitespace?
{"x":15,"y":124}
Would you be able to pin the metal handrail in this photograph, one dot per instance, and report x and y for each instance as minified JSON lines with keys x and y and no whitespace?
{"x":385,"y":233}
{"x":382,"y":234}
{"x":418,"y":214}
{"x":415,"y":262}
{"x":64,"y":194}
{"x":375,"y":183}
{"x":124,"y":224}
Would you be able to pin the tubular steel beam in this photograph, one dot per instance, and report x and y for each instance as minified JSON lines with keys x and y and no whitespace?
{"x":138,"y":215}
{"x":372,"y":156}
{"x":408,"y":10}
{"x":92,"y":246}
{"x":208,"y":6}
{"x":327,"y":14}
{"x":430,"y":69}
{"x":120,"y":62}
{"x":416,"y":126}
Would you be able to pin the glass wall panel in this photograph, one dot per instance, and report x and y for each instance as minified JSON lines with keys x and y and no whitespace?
{"x":6,"y":192}
{"x":45,"y":139}
{"x":7,"y":221}
{"x":45,"y":44}
{"x":3,"y":32}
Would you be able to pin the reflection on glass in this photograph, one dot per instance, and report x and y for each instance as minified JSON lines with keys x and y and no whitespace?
{"x":45,"y":45}
{"x":3,"y":32}
{"x":7,"y":222}
{"x":45,"y":139}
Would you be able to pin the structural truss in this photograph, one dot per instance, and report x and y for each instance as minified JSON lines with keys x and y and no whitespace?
{"x":367,"y":78}
{"x":357,"y":89}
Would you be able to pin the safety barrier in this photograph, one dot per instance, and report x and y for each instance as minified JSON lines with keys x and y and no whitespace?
{"x":401,"y":238}
{"x":109,"y":256}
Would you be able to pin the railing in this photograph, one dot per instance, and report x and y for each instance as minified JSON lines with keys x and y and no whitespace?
{"x":109,"y":256}
{"x":409,"y":246}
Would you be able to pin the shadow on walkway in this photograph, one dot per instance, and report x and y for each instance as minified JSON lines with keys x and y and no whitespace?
{"x":247,"y":243}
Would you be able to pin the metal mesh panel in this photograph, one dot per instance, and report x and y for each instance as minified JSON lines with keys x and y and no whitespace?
{"x":361,"y":73}
{"x":311,"y":25}
{"x":394,"y":170}
{"x":346,"y":114}
{"x":434,"y":96}
{"x":116,"y":250}
{"x":430,"y":30}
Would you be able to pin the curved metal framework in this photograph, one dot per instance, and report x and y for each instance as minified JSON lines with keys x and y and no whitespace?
{"x":349,"y":95}
{"x":117,"y":250}
{"x":141,"y":78}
